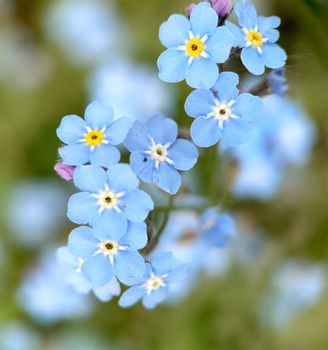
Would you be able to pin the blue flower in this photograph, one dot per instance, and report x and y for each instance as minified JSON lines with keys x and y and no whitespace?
{"x":277,"y":82}
{"x":194,"y":47}
{"x":92,"y":140}
{"x":257,"y":37}
{"x":157,"y":154}
{"x":112,"y":194}
{"x":109,"y":251}
{"x":74,"y":277}
{"x":222,"y":114}
{"x":216,"y":227}
{"x":153,"y":287}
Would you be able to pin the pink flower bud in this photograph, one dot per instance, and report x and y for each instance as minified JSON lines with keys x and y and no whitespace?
{"x":222,"y":7}
{"x":64,"y":171}
{"x":190,"y":8}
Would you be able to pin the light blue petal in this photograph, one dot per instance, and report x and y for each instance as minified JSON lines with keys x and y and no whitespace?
{"x":109,"y":290}
{"x":118,"y":130}
{"x":266,"y":24}
{"x":71,"y":129}
{"x":273,"y":36}
{"x":225,"y":86}
{"x":274,"y":56}
{"x":90,"y":178}
{"x":248,"y":107}
{"x":63,"y":254}
{"x":142,"y":165}
{"x":98,"y":115}
{"x":137,"y":138}
{"x":252,"y":60}
{"x":105,"y":155}
{"x":162,"y":130}
{"x":247,"y":16}
{"x":174,"y":32}
{"x":82,"y":242}
{"x":136,"y":236}
{"x":167,"y":178}
{"x":121,"y":178}
{"x":131,"y":296}
{"x":219,"y":45}
{"x":203,"y":19}
{"x":184,"y":154}
{"x":156,"y":297}
{"x":137,"y":205}
{"x":82,"y":208}
{"x":202,"y":73}
{"x":236,"y":132}
{"x":172,"y":65}
{"x":240,"y":38}
{"x":128,"y":265}
{"x":179,"y":274}
{"x":205,"y":132}
{"x":110,"y":226}
{"x":199,"y":102}
{"x":98,"y":270}
{"x":75,"y":154}
{"x":163,"y":262}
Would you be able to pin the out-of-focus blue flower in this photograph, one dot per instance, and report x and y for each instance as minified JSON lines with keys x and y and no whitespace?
{"x":45,"y":295}
{"x":133,"y":90}
{"x":34,"y":211}
{"x":257,"y":38}
{"x":86,"y":30}
{"x":92,"y":140}
{"x":111,"y":196}
{"x":153,"y":287}
{"x":296,"y":286}
{"x":222,"y":114}
{"x":277,"y":82}
{"x":74,"y":277}
{"x":17,"y":336}
{"x":194,"y":47}
{"x":157,"y":154}
{"x":217,"y":228}
{"x":109,"y":251}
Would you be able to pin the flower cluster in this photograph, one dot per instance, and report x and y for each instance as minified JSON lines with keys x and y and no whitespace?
{"x":119,"y":235}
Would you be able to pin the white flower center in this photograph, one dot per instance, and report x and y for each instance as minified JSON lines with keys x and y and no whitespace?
{"x":108,"y":199}
{"x":159,"y":153}
{"x":154,"y":283}
{"x":109,"y":247}
{"x":222,"y":112}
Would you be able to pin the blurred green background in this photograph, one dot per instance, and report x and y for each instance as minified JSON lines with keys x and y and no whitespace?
{"x":220,"y":313}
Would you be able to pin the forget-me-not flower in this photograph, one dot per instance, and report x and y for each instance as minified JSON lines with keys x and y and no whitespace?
{"x":222,"y":114}
{"x":109,"y":251}
{"x":153,"y":287}
{"x":92,"y":140}
{"x":194,"y":48}
{"x":113,"y":194}
{"x":157,"y":154}
{"x":257,"y":38}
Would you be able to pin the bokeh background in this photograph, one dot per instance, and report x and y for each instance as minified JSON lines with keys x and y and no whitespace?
{"x":268,"y":291}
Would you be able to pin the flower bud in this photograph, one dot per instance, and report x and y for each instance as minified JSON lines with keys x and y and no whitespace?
{"x":222,"y":7}
{"x":64,"y":171}
{"x":189,"y":9}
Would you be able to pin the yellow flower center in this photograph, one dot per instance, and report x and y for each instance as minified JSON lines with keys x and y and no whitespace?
{"x":222,"y":112}
{"x":159,"y":153}
{"x":109,"y":247}
{"x":94,"y":137}
{"x":108,"y":200}
{"x":255,"y":38}
{"x":195,"y":47}
{"x":154,"y":283}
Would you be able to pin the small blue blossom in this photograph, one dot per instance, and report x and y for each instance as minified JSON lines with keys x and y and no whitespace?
{"x":194,"y":47}
{"x":111,"y":194}
{"x":74,"y":277}
{"x":221,"y":114}
{"x":157,"y":154}
{"x":108,"y":251}
{"x":217,"y":228}
{"x":277,"y":82}
{"x":93,"y":140}
{"x":153,"y":287}
{"x":257,"y":37}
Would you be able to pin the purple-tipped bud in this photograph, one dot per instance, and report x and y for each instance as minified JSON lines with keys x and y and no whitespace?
{"x":222,"y":7}
{"x":64,"y":171}
{"x":190,"y":8}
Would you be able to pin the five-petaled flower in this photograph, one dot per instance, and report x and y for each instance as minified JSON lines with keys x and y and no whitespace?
{"x":109,"y":251}
{"x":221,"y":114}
{"x":257,"y":37}
{"x":113,"y":194}
{"x":92,"y":140}
{"x":157,"y":154}
{"x":194,"y":47}
{"x":153,"y":287}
